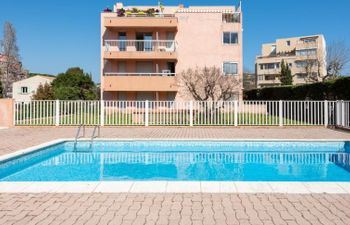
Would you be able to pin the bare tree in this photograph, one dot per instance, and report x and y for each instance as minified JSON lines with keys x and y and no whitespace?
{"x":338,"y":57}
{"x":208,"y":84}
{"x":313,"y":66}
{"x":10,"y":64}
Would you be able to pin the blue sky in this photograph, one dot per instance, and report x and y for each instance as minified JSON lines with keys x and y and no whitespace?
{"x":54,"y":35}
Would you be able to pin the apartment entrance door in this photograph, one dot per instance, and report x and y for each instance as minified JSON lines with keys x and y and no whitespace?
{"x":144,"y":41}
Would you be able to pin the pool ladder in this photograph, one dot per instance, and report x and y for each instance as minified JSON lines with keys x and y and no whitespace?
{"x":77,"y":136}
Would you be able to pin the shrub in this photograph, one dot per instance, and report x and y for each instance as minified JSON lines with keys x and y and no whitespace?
{"x":330,"y":90}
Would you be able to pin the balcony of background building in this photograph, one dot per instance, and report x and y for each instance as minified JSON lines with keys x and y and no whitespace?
{"x":307,"y":44}
{"x":140,"y":49}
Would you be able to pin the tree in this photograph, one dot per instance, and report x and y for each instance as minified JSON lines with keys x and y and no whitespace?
{"x":208,"y":84}
{"x":1,"y":89}
{"x":286,"y":77}
{"x":313,"y":65}
{"x":44,"y":92}
{"x":338,"y":57}
{"x":74,"y":84}
{"x":10,"y":64}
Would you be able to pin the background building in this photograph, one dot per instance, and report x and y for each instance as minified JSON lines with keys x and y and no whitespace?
{"x":249,"y":81}
{"x":305,"y":56}
{"x":144,"y":48}
{"x":23,"y":90}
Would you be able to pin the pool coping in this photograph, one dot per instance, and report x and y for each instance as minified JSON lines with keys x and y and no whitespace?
{"x":170,"y":186}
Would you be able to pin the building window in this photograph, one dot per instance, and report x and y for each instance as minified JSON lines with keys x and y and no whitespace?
{"x":230,"y":38}
{"x":301,"y":75}
{"x":309,"y":40}
{"x":261,"y":66}
{"x":24,"y":90}
{"x":122,"y":41}
{"x":290,"y":64}
{"x":306,"y":52}
{"x":261,"y":77}
{"x":288,"y":43}
{"x":230,"y":68}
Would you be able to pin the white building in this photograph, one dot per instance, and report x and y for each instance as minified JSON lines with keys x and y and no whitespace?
{"x":24,"y":90}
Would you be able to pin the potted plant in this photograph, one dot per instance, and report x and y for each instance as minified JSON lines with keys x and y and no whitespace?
{"x":150,"y":12}
{"x":121,"y":12}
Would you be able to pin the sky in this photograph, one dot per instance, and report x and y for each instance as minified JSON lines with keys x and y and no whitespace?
{"x":54,"y":35}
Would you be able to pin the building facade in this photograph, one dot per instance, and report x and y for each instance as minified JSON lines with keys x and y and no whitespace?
{"x":24,"y":90}
{"x":145,"y":48}
{"x":305,"y":56}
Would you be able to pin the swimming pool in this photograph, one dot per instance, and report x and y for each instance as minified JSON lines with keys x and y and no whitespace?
{"x":182,"y":161}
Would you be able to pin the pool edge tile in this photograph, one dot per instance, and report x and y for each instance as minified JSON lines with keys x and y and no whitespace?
{"x":149,"y":187}
{"x":113,"y":187}
{"x":183,"y":187}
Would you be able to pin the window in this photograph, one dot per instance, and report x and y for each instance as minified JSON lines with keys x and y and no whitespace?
{"x":261,"y":66}
{"x":288,"y":43}
{"x":261,"y":77}
{"x":230,"y":38}
{"x":24,"y":90}
{"x":122,"y":41}
{"x":230,"y":68}
{"x":309,"y":40}
{"x":270,"y":66}
{"x":290,"y":64}
{"x":301,"y":75}
{"x":306,"y":52}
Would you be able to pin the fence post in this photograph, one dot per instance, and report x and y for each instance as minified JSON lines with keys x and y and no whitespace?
{"x":57,"y":113}
{"x":102,"y":113}
{"x":281,"y":113}
{"x":326,"y":113}
{"x":342,"y":113}
{"x":191,"y":113}
{"x":236,"y":112}
{"x":146,"y":113}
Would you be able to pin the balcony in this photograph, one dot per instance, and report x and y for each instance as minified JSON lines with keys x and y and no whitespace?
{"x":140,"y":49}
{"x":142,"y":20}
{"x":140,"y":74}
{"x":139,"y":81}
{"x":307,"y":44}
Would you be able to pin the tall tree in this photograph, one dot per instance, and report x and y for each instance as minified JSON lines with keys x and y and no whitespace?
{"x":44,"y":92}
{"x":286,"y":77}
{"x":74,"y":84}
{"x":10,"y":64}
{"x":1,"y":90}
{"x":338,"y":57}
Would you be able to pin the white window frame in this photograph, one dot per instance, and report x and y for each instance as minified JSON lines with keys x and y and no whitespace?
{"x":231,"y":62}
{"x":222,"y":38}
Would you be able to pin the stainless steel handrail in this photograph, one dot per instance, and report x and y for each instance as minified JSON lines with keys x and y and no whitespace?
{"x":77,"y":135}
{"x":93,"y":134}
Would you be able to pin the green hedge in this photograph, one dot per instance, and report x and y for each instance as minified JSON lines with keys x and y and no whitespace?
{"x":338,"y":89}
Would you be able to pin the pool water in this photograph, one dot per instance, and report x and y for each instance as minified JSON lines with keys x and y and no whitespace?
{"x":183,"y":160}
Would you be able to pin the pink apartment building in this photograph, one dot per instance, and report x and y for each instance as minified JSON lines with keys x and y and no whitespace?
{"x":144,"y":48}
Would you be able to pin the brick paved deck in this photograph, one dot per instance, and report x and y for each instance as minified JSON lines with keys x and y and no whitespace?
{"x":174,"y":209}
{"x":94,"y":208}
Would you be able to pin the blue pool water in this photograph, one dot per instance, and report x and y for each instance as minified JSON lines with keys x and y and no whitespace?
{"x":183,"y":160}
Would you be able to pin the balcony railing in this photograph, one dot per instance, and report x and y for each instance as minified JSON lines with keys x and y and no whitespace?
{"x":231,"y":17}
{"x":140,"y":74}
{"x":140,"y":45}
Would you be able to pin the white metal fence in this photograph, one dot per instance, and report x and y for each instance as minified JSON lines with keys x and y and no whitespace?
{"x":189,"y":113}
